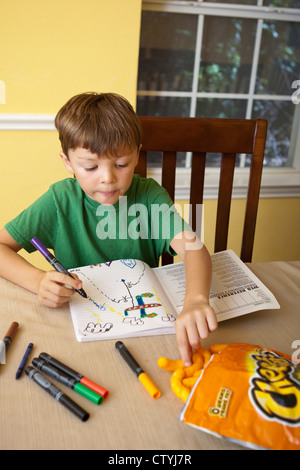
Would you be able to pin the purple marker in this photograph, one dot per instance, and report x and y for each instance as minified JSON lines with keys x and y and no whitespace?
{"x":54,"y":262}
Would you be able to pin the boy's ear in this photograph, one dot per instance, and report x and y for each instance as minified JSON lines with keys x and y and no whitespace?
{"x":66,"y":162}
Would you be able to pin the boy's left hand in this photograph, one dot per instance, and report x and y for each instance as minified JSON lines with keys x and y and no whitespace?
{"x":194,"y":323}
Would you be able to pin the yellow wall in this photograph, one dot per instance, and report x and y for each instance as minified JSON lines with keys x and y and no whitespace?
{"x":277,"y":228}
{"x":50,"y":51}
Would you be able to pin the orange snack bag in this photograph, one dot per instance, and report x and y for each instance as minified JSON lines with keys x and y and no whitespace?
{"x":250,"y":394}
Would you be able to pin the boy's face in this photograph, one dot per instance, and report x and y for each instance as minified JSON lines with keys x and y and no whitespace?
{"x":103,"y":178}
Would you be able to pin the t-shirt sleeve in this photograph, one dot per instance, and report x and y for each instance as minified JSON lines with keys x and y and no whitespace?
{"x":38,"y":220}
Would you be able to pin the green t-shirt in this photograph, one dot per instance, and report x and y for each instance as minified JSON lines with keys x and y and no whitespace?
{"x":83,"y":232}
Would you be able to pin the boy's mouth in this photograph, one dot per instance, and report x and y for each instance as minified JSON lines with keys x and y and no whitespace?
{"x":108,"y":193}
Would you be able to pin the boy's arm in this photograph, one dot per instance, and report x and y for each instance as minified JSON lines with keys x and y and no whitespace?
{"x":49,"y":286}
{"x":197,"y":317}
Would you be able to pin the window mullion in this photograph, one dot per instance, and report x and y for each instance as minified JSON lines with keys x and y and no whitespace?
{"x":197,"y":60}
{"x":197,"y":65}
{"x":252,"y":83}
{"x":254,"y":67}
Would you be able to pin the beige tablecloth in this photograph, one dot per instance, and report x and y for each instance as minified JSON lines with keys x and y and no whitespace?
{"x":129,"y":418}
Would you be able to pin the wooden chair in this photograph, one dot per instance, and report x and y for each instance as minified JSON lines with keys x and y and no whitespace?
{"x":228,"y":137}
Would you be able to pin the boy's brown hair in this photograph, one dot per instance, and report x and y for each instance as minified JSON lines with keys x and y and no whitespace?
{"x":99,"y":122}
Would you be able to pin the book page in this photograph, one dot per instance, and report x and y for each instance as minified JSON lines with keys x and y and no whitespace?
{"x":125,"y":299}
{"x":172,"y":278}
{"x":235,"y":290}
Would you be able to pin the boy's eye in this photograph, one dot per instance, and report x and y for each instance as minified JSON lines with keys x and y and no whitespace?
{"x":121,"y":166}
{"x":91,"y":169}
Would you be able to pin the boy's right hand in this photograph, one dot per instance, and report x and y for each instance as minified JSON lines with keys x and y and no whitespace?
{"x":54,"y":290}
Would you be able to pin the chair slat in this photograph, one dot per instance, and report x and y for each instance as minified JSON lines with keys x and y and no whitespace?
{"x":224,"y":201}
{"x":197,"y":186}
{"x":169,"y":172}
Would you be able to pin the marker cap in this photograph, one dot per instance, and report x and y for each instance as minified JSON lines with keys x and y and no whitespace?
{"x":87,"y":393}
{"x":94,"y":387}
{"x":149,"y":385}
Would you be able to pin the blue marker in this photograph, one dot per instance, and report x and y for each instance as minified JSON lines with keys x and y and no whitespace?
{"x":24,"y":361}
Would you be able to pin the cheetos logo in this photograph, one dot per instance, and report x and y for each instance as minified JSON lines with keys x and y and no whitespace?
{"x":275,"y":388}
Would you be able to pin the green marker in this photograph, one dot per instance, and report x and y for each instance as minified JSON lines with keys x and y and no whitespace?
{"x":67,"y":380}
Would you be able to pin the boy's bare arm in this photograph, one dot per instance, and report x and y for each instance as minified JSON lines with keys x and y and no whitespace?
{"x":197,"y":318}
{"x":49,"y":286}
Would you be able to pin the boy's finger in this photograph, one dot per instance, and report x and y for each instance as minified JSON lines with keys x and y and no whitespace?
{"x":184,"y":347}
{"x":64,"y":279}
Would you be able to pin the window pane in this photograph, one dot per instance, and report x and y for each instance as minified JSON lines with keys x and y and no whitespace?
{"x":167,"y":49}
{"x":279,"y":60}
{"x":163,"y":106}
{"x":221,"y":108}
{"x":280,"y":116}
{"x":227,"y":53}
{"x":282,"y":3}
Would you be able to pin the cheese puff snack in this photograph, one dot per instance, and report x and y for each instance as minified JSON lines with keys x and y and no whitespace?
{"x":249,"y":394}
{"x":184,"y":378}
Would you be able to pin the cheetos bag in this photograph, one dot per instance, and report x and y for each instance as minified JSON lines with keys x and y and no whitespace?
{"x":248,"y":394}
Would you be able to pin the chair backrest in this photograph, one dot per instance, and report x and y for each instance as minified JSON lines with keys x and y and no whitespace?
{"x":200,"y":136}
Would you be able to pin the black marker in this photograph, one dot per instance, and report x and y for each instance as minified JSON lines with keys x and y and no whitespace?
{"x":136,"y":368}
{"x":75,"y":375}
{"x":54,"y":262}
{"x":67,"y":380}
{"x":56,"y":393}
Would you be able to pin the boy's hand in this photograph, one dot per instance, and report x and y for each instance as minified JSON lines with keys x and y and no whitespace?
{"x":53,"y":290}
{"x":194,"y":323}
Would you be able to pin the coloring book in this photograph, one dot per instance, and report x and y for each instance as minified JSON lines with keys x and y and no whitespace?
{"x":127,"y":298}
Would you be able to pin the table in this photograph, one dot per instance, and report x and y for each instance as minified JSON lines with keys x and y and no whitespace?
{"x":129,"y":419}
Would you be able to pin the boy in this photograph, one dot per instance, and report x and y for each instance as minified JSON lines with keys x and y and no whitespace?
{"x":100,"y":136}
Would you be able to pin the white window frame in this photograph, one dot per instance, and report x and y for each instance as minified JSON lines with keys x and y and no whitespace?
{"x":276,"y":182}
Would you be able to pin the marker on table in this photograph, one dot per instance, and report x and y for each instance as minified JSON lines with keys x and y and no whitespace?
{"x":141,"y":375}
{"x":75,"y":375}
{"x":67,"y":380}
{"x":24,"y":361}
{"x":56,"y":393}
{"x":54,"y":262}
{"x":7,"y":340}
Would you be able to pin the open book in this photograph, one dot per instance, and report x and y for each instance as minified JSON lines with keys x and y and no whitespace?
{"x":127,"y":298}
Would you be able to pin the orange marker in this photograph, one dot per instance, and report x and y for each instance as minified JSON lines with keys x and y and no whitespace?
{"x":141,"y":375}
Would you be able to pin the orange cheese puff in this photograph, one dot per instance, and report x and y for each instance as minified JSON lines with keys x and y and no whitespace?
{"x":216,"y":348}
{"x":189,"y":371}
{"x":189,"y":382}
{"x":180,"y":390}
{"x":170,"y":364}
{"x":198,"y":359}
{"x":197,"y":373}
{"x":205,"y":353}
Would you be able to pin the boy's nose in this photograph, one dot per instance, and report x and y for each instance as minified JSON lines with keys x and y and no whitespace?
{"x":107,"y":175}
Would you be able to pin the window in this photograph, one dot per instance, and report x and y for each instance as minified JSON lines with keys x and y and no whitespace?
{"x":223,"y":59}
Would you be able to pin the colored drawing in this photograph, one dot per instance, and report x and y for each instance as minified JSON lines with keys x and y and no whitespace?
{"x":142,"y":306}
{"x":122,"y":300}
